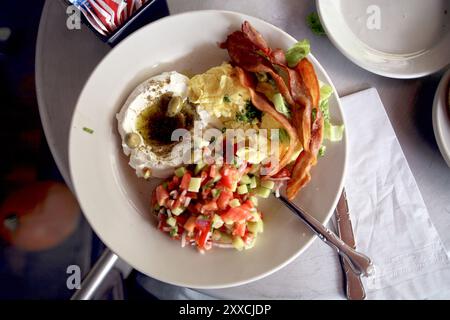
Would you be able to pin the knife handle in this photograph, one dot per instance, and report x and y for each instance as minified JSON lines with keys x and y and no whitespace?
{"x":354,"y":288}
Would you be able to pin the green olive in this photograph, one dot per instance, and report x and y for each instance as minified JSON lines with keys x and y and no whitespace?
{"x":175,"y":106}
{"x":133,"y":140}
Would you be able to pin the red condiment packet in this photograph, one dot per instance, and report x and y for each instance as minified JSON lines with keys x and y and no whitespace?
{"x":112,"y":7}
{"x":105,"y":16}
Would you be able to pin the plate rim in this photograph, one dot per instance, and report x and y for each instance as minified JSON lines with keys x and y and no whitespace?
{"x":395,"y":75}
{"x":73,"y":133}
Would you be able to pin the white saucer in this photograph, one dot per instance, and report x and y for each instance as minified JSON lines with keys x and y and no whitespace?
{"x":396,"y":39}
{"x":441,"y":116}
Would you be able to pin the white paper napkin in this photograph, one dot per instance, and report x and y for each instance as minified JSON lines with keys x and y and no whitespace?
{"x":390,"y":220}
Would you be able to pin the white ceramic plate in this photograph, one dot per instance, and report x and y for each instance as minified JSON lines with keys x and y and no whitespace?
{"x":441,"y":116}
{"x":397,"y":39}
{"x":117,"y":203}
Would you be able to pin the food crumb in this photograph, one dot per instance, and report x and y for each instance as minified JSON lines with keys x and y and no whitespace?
{"x":88,"y":130}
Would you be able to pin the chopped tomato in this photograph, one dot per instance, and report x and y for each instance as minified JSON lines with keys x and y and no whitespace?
{"x":192,"y":195}
{"x":212,"y":171}
{"x":198,"y":207}
{"x":238,"y":213}
{"x":185,"y":181}
{"x":192,"y":208}
{"x":224,"y":198}
{"x":201,"y":238}
{"x":162,"y":221}
{"x":205,"y":193}
{"x":239,"y":229}
{"x":210,"y":206}
{"x":230,"y":177}
{"x":161,"y":195}
{"x":202,"y":235}
{"x":189,"y":225}
{"x":174,"y":183}
{"x":181,"y":219}
{"x":203,"y":177}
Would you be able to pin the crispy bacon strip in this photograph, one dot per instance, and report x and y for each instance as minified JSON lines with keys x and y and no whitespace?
{"x":253,"y":57}
{"x":300,"y":174}
{"x":307,"y":72}
{"x":255,"y":37}
{"x":260,"y":102}
{"x":308,"y":158}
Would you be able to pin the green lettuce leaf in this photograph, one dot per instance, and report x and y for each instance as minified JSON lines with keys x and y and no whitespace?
{"x":297,"y":52}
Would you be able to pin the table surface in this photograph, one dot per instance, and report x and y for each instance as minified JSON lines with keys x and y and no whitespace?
{"x":65,"y":58}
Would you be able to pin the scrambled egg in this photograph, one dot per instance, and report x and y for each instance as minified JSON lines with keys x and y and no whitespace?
{"x":219,"y":92}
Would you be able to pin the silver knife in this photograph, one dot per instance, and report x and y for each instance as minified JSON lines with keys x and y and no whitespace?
{"x":354,"y":288}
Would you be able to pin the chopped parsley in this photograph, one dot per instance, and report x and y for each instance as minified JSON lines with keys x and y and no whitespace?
{"x":249,"y":114}
{"x":322,"y":151}
{"x":88,"y":130}
{"x":226,"y":99}
{"x":313,"y":22}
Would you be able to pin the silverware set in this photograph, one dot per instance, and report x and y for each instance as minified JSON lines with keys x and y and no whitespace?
{"x":354,"y":263}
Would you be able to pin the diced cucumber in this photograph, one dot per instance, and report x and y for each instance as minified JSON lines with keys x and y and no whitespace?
{"x":216,"y":193}
{"x":242,"y":189}
{"x":255,"y":227}
{"x":199,"y":167}
{"x":252,"y":227}
{"x":254,"y":200}
{"x":174,"y":231}
{"x":253,"y":183}
{"x":177,"y":211}
{"x":225,"y":238}
{"x":267,"y":184}
{"x":238,"y":243}
{"x":217,"y":221}
{"x":255,"y":215}
{"x":194,"y":184}
{"x":229,"y":224}
{"x":217,"y":178}
{"x":245,"y":179}
{"x":171,"y":221}
{"x":179,"y":172}
{"x":234,"y":203}
{"x":260,"y":226}
{"x":262,"y":192}
{"x":234,"y":187}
